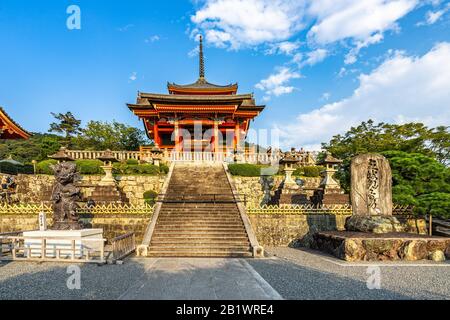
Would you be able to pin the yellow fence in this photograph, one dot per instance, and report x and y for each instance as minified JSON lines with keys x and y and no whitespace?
{"x":311,"y":209}
{"x":109,"y":209}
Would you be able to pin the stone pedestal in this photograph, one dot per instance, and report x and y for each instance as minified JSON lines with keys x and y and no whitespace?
{"x":108,"y":193}
{"x":108,"y":179}
{"x":292,"y":195}
{"x":374,"y":224}
{"x":63,"y":240}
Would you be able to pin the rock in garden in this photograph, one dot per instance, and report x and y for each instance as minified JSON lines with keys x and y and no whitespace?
{"x":437,"y":255}
{"x":375,"y":224}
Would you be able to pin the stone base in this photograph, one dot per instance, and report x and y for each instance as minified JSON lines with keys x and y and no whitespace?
{"x":358,"y":246}
{"x":336,"y":198}
{"x":106,"y":194}
{"x":67,"y":226}
{"x":62,"y":239}
{"x":374,"y":224}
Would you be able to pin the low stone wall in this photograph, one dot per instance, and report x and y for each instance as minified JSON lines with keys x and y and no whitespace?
{"x":292,"y":230}
{"x":38,"y":188}
{"x":259,"y":190}
{"x":112,"y":225}
{"x":298,"y":230}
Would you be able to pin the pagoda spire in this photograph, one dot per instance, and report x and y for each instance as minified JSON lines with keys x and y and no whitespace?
{"x":201,"y":60}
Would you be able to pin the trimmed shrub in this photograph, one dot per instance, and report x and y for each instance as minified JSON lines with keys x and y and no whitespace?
{"x":89,"y":166}
{"x":43,"y":167}
{"x":11,"y":168}
{"x":163,"y":168}
{"x":132,"y":161}
{"x":134,"y":169}
{"x":150,"y":197}
{"x":245,"y":169}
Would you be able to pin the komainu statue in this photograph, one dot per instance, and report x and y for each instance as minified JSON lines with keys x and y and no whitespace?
{"x":65,"y":196}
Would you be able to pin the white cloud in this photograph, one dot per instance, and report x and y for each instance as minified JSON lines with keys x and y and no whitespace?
{"x":352,"y":56}
{"x":241,"y":23}
{"x":431,"y":17}
{"x":403,"y":88}
{"x":133,"y":76}
{"x":339,"y":20}
{"x":315,"y":56}
{"x":125,"y":28}
{"x":236,"y":24}
{"x":285,"y":47}
{"x":277,"y":84}
{"x":153,"y":38}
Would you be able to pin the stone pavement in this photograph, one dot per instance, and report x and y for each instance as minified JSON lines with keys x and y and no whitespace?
{"x":200,"y":279}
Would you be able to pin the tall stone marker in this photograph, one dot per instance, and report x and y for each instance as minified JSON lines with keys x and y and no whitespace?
{"x":371,"y":185}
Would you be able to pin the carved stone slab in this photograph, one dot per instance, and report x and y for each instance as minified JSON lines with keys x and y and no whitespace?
{"x":371,"y":185}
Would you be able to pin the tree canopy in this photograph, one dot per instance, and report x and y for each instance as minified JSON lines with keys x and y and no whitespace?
{"x":418,"y":155}
{"x":98,"y":135}
{"x":67,"y":125}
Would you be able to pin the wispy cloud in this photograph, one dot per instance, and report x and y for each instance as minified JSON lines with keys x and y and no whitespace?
{"x":125,"y":28}
{"x":133,"y":76}
{"x":277,"y":83}
{"x":152,"y":39}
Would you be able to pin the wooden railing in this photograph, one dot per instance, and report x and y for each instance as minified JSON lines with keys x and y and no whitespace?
{"x":145,"y":154}
{"x":123,"y":245}
{"x":13,"y":248}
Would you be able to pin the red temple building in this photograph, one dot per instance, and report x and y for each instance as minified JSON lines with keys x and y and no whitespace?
{"x":10,"y":129}
{"x":201,"y":116}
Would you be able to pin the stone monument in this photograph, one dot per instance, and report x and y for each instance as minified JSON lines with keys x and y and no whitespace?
{"x":65,"y":196}
{"x":371,"y":195}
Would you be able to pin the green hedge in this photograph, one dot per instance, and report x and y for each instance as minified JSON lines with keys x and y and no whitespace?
{"x":133,"y":169}
{"x":10,"y":168}
{"x":309,"y":171}
{"x":150,"y":197}
{"x":89,"y":167}
{"x":43,"y":167}
{"x":245,"y":169}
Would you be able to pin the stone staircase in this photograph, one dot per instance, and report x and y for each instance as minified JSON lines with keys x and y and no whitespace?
{"x":199,"y":217}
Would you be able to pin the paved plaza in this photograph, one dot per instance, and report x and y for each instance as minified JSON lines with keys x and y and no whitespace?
{"x":285,"y":274}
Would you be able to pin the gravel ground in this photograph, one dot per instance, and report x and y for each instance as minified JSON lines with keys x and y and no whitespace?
{"x":48,"y":281}
{"x":303,"y":274}
{"x":293,"y":273}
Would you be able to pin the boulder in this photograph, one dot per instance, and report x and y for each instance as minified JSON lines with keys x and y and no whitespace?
{"x":414,"y":250}
{"x":374,"y":224}
{"x":437,"y":255}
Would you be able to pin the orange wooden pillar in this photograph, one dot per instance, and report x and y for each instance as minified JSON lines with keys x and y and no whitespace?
{"x":216,"y":137}
{"x":156,"y":137}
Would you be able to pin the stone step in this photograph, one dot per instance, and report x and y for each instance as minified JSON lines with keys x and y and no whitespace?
{"x":218,"y":254}
{"x":190,"y":219}
{"x":204,"y":237}
{"x":182,"y":233}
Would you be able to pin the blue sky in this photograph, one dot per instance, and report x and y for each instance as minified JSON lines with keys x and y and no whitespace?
{"x":320,"y":66}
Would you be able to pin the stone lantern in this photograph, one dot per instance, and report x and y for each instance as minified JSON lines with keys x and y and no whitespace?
{"x":288,"y":163}
{"x":61,"y":156}
{"x":157,"y":155}
{"x":108,"y":159}
{"x":328,"y":183}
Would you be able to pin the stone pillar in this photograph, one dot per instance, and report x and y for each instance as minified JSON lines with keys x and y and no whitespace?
{"x":156,"y":135}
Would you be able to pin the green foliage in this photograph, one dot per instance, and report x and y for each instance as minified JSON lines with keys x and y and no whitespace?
{"x":136,"y":169}
{"x":132,"y":161}
{"x":420,"y":181}
{"x":163,"y":168}
{"x":67,"y":125}
{"x":10,"y":168}
{"x":89,"y":167}
{"x":436,"y":203}
{"x":308,"y":171}
{"x":35,"y":148}
{"x":150,"y":197}
{"x":245,"y":169}
{"x":43,"y":167}
{"x":368,"y":137}
{"x":98,"y":135}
